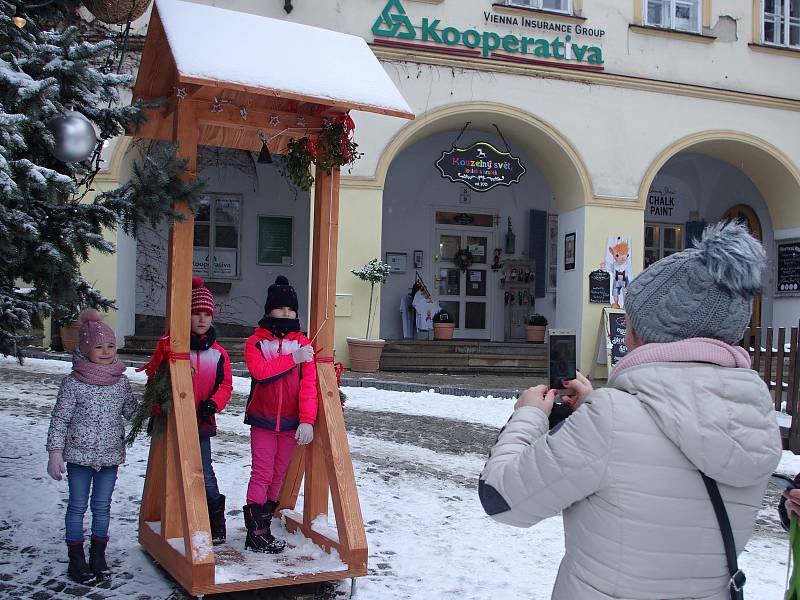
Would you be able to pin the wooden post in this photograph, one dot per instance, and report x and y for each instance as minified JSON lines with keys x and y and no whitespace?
{"x":321,"y":324}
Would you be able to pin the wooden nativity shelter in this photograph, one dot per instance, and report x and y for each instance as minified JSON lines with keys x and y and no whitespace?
{"x":237,"y":80}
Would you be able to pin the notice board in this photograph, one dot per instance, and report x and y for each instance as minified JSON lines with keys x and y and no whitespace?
{"x":788,"y":272}
{"x":275,"y":240}
{"x":612,"y":337}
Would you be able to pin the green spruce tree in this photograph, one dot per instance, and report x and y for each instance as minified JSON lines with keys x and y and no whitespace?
{"x":49,"y":222}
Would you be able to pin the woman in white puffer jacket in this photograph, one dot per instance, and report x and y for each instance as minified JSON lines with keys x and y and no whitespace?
{"x":625,"y":467}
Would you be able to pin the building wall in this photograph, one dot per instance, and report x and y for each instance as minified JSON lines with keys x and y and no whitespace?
{"x":264,"y":192}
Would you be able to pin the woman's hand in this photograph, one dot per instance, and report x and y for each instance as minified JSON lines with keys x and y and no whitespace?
{"x":792,"y":502}
{"x":580,"y":388}
{"x":305,"y":434}
{"x":539,"y":397}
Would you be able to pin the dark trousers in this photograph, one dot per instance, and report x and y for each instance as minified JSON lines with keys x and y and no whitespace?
{"x":212,"y":489}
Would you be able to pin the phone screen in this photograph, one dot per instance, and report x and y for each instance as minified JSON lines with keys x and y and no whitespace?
{"x":562,"y":360}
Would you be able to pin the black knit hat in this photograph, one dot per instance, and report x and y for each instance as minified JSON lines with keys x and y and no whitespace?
{"x":280,"y":294}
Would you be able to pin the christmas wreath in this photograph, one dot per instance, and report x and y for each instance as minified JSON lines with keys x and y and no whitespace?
{"x":157,"y":398}
{"x":463,"y":259}
{"x":333,"y":148}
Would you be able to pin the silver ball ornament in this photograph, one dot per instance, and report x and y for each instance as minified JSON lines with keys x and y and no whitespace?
{"x":75,"y":137}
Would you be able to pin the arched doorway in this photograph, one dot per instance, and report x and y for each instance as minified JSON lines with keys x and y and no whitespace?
{"x":746,"y":215}
{"x":717,"y":175}
{"x":429,"y":217}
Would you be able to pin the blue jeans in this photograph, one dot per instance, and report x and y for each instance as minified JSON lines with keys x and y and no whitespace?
{"x":80,"y":479}
{"x":210,"y":478}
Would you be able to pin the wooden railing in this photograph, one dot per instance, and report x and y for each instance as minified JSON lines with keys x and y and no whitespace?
{"x":775,"y":355}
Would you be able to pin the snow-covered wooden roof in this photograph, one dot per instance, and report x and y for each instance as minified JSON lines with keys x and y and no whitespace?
{"x":222,"y":48}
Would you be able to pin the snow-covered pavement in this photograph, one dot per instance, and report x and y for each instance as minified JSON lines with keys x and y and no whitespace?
{"x":416,"y":456}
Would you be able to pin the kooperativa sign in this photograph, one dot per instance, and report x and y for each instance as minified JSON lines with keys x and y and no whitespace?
{"x":394,"y":27}
{"x":480,"y":166}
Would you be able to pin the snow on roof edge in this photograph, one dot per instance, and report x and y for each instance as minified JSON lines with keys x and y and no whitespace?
{"x":244,"y":46}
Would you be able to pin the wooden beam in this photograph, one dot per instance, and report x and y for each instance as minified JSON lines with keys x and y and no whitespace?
{"x":150,"y":508}
{"x":183,"y":419}
{"x":263,"y":91}
{"x":157,"y":74}
{"x":256,"y":118}
{"x":339,"y":465}
{"x":290,"y":488}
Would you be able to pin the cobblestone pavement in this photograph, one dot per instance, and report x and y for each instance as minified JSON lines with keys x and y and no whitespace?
{"x":443,"y":436}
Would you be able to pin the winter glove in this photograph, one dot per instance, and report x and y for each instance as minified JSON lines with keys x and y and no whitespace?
{"x":303,"y":354}
{"x":305,"y":433}
{"x":207,"y":408}
{"x":55,"y":465}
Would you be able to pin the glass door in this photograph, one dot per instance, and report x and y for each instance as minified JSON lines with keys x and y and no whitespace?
{"x":463,"y":291}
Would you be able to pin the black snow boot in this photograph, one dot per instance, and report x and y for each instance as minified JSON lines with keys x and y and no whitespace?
{"x":97,"y":558}
{"x":78,"y":570}
{"x":216,"y":516}
{"x":258,"y":519}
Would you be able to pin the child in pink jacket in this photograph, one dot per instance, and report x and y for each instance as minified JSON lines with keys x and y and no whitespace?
{"x":213,"y":384}
{"x":281,"y":409}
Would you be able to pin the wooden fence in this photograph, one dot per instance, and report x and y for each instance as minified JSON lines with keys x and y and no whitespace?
{"x":775,"y":355}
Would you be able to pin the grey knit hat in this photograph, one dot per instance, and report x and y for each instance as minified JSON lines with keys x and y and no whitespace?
{"x":705,"y":291}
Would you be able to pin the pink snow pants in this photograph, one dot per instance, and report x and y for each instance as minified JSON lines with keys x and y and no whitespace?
{"x":271,"y":452}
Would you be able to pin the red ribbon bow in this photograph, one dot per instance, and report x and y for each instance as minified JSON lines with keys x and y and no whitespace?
{"x":162,"y":352}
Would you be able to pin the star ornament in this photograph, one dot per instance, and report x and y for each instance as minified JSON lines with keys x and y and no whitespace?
{"x":274,"y":120}
{"x":180,"y":92}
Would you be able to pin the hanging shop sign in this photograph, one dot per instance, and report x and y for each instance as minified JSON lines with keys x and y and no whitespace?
{"x":556,"y":45}
{"x":600,"y":287}
{"x":661,"y":201}
{"x":480,"y":166}
{"x":788,"y":275}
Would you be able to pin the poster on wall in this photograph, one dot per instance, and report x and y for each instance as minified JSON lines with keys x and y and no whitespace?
{"x":660,"y":202}
{"x":787,"y":281}
{"x":480,"y":166}
{"x":397,"y":261}
{"x":599,"y":288}
{"x":275,"y":240}
{"x":569,"y":252}
{"x":618,"y":265}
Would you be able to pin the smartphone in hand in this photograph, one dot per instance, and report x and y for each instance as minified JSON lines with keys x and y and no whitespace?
{"x":562,"y":363}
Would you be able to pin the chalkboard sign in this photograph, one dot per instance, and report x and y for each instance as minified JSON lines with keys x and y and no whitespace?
{"x":615,"y":328}
{"x":481,"y":166}
{"x":274,"y":240}
{"x":600,"y":287}
{"x":788,"y":276}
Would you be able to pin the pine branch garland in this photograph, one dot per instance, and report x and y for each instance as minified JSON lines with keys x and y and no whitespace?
{"x":155,"y":406}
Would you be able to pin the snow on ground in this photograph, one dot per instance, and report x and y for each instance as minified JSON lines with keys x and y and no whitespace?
{"x":428,"y":536}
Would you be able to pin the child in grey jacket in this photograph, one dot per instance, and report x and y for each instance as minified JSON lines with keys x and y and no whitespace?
{"x":87,"y":432}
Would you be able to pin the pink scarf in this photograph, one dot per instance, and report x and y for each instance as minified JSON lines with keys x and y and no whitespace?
{"x":701,"y":350}
{"x":95,"y":374}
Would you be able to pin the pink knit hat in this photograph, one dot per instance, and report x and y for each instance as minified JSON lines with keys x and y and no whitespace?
{"x":93,"y":331}
{"x":202,"y":299}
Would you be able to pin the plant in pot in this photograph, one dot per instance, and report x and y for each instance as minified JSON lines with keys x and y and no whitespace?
{"x":67,"y":322}
{"x":365,"y":353}
{"x":536,"y":326}
{"x":443,"y":326}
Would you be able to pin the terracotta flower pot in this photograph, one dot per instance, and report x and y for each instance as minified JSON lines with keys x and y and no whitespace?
{"x":535,"y":333}
{"x":365,"y":355}
{"x":443,"y":331}
{"x":69,"y":336}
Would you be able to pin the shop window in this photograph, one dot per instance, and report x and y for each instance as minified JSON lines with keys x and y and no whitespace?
{"x":780,"y":22}
{"x":561,"y":6}
{"x":661,"y":240}
{"x":216,"y":236}
{"x":680,"y":15}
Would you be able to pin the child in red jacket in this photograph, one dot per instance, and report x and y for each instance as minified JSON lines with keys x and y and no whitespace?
{"x":281,"y":410}
{"x":212,"y":383}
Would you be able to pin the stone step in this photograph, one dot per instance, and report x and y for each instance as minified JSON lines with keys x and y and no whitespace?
{"x":527,"y":372}
{"x":434,"y":361}
{"x":465,"y":347}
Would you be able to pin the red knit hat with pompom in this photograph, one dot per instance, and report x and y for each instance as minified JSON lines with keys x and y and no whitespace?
{"x":202,"y":299}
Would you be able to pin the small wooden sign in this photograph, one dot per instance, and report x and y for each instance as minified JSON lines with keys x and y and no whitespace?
{"x":615,"y":329}
{"x":788,"y":273}
{"x":600,"y":287}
